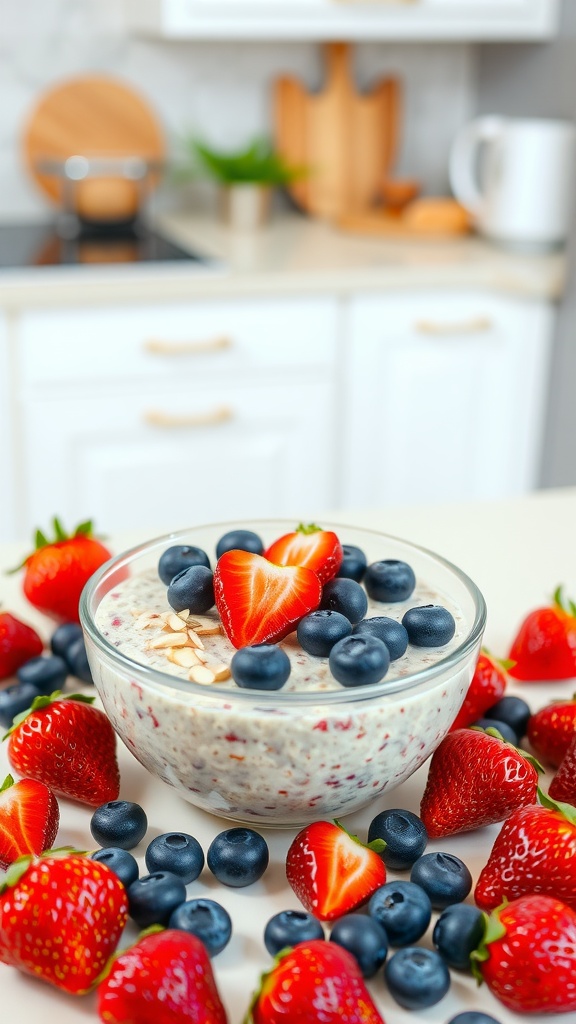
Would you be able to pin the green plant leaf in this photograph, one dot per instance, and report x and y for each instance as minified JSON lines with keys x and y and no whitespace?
{"x":256,"y":164}
{"x":8,"y":781}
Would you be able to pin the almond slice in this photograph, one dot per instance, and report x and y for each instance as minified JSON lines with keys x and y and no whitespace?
{"x":195,"y":639}
{"x":208,"y":630}
{"x":221,"y":672}
{"x":167,"y":640}
{"x":146,"y":619}
{"x":201,"y":674}
{"x":200,"y":655}
{"x":183,"y":656}
{"x":175,"y":622}
{"x":183,"y":614}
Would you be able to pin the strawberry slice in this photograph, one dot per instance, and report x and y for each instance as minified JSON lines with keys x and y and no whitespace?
{"x":29,"y":818}
{"x":331,"y":871}
{"x":259,"y":602}
{"x":309,"y":546}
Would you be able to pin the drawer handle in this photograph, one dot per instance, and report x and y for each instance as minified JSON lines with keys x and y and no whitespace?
{"x":167,"y":421}
{"x":438,"y":328}
{"x":158,"y":347}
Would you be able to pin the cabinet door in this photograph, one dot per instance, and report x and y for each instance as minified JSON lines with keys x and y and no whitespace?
{"x":446,"y":397}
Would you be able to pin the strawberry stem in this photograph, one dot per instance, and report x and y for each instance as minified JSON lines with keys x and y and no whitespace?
{"x":566,"y":810}
{"x":8,"y":781}
{"x":493,"y":929}
{"x":308,"y":529}
{"x":42,"y":701}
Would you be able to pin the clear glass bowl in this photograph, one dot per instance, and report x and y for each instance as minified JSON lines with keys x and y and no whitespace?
{"x":283,"y":758}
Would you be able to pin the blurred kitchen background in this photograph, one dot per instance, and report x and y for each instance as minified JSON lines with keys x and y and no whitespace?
{"x":389,"y":320}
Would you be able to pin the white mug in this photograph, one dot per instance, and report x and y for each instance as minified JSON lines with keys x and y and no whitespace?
{"x":516,"y":177}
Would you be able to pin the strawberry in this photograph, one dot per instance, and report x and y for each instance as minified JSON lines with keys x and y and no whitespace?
{"x":487,"y":686}
{"x":61,"y":917}
{"x":534,"y":852}
{"x":545,"y":645}
{"x":563,"y":785}
{"x":552,"y":729}
{"x":310,"y":546}
{"x":55,"y":573}
{"x":164,"y":979}
{"x":316,"y":982}
{"x":69,"y":745}
{"x":29,"y":818}
{"x":331,"y":871}
{"x":259,"y":602}
{"x":18,"y":643}
{"x":528,"y":955}
{"x":475,"y":779}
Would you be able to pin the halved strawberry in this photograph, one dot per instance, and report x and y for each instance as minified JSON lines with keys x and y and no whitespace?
{"x":259,"y":602}
{"x":331,"y":871}
{"x":29,"y":817}
{"x":310,"y":546}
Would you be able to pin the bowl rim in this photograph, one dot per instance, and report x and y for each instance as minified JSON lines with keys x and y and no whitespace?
{"x":265,"y":698}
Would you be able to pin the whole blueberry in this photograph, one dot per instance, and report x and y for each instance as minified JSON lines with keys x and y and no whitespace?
{"x":318,"y":632}
{"x":364,"y":938}
{"x":430,"y":625}
{"x":77,"y":660}
{"x":153,"y":898}
{"x":193,"y":589}
{"x":444,"y":877}
{"x":457,"y":933}
{"x":14,"y":700}
{"x":63,"y":636}
{"x":353,"y":564}
{"x":240,"y":540}
{"x":404,"y":834}
{"x":122,"y":863}
{"x":503,"y":728}
{"x":119,"y":823}
{"x":391,"y":632}
{"x":389,"y":581}
{"x":345,"y":596}
{"x":473,"y":1017}
{"x":260,"y":667}
{"x":403,"y":910}
{"x":416,"y":977}
{"x":46,"y":674}
{"x":205,"y":919}
{"x":178,"y":558}
{"x":289,"y":927}
{"x":512,"y":710}
{"x":238,"y":857}
{"x":359,"y":660}
{"x":176,"y":852}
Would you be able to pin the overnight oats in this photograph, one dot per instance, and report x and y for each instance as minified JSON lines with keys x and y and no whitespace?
{"x":325,"y":741}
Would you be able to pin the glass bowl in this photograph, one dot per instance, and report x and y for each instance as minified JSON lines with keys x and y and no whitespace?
{"x":282,"y":758}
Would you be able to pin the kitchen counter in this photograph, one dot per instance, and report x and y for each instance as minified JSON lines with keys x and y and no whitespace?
{"x":517,"y":551}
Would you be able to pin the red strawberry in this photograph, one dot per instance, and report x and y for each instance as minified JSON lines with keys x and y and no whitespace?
{"x":164,"y":979}
{"x":18,"y":643}
{"x":331,"y":871}
{"x":55,"y":573}
{"x":535,"y":851}
{"x":528,"y":956}
{"x":552,"y":729}
{"x":563,"y":785}
{"x":487,"y":686}
{"x":316,"y":982}
{"x":475,"y":779}
{"x":29,"y":817}
{"x":259,"y":602}
{"x":545,"y":645}
{"x":61,"y":918}
{"x":69,"y":745}
{"x":310,"y":546}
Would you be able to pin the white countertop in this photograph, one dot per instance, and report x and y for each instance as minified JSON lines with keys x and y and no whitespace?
{"x":517,"y":552}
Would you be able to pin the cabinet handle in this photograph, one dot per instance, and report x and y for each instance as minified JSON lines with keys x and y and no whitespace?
{"x":158,"y":347}
{"x":167,"y":421}
{"x":439,"y":328}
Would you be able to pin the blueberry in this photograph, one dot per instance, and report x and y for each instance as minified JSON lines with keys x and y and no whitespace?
{"x":176,"y":852}
{"x":153,"y":898}
{"x":457,"y":933}
{"x":444,"y":877}
{"x":238,"y":857}
{"x":503,"y":728}
{"x":359,"y":660}
{"x":404,"y":834}
{"x":364,"y":938}
{"x":46,"y":674}
{"x":178,"y":558}
{"x":260,"y":667}
{"x":205,"y":919}
{"x":417,"y":977}
{"x":345,"y":596}
{"x":122,"y":863}
{"x":119,"y":823}
{"x":473,"y":1017}
{"x":14,"y":700}
{"x":392,"y":633}
{"x":353,"y":564}
{"x":192,"y":588}
{"x":389,"y":581}
{"x":289,"y":927}
{"x":63,"y":636}
{"x":318,"y":632}
{"x":430,"y":625}
{"x":78,"y":661}
{"x":512,"y":710}
{"x":240,"y":540}
{"x":403,"y":909}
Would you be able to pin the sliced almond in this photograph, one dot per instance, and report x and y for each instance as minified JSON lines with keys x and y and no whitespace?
{"x":221,"y":672}
{"x":201,"y":674}
{"x":195,"y":639}
{"x":147,"y":619}
{"x":167,"y":640}
{"x":183,"y":614}
{"x":175,"y":622}
{"x":184,"y":656}
{"x":211,"y":630}
{"x":201,"y":655}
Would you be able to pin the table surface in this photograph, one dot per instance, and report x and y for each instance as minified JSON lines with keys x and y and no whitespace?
{"x":517,"y":552}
